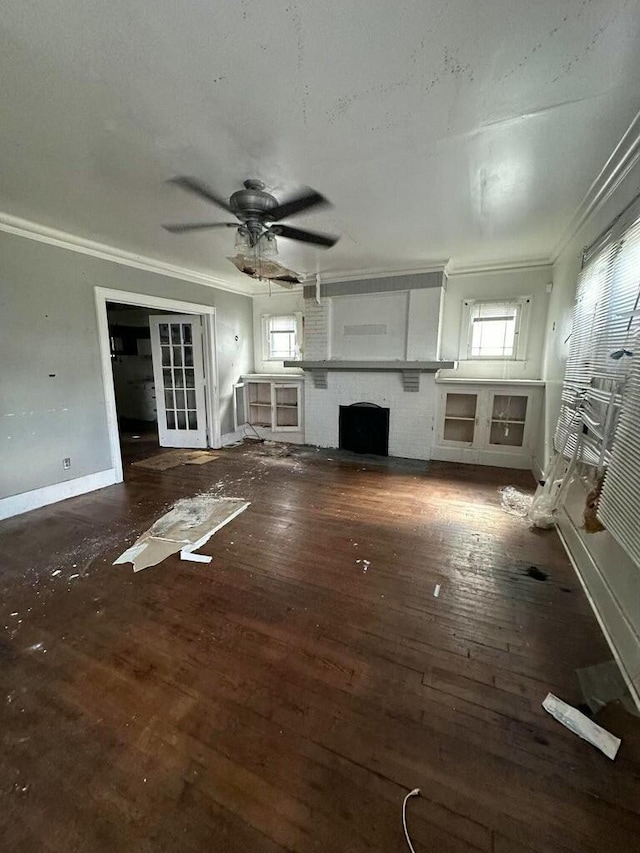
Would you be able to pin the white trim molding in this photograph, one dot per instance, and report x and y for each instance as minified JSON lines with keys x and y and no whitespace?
{"x":453,"y":269}
{"x":617,"y":630}
{"x":25,"y":502}
{"x":622,"y":160}
{"x":65,"y":240}
{"x":144,"y":300}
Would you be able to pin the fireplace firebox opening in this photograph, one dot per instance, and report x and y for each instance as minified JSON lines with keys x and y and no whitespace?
{"x":364,"y":428}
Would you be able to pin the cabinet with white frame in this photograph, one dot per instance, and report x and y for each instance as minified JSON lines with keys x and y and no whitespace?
{"x":270,"y":405}
{"x":484,"y":422}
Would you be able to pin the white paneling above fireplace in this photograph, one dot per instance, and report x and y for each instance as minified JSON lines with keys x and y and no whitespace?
{"x":369,"y":326}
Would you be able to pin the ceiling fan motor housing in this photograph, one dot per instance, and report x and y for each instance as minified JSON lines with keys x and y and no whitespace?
{"x":252,"y":202}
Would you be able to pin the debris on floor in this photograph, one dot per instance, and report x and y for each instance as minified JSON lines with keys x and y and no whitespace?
{"x":592,"y":523}
{"x":537,"y":509}
{"x":542,"y":509}
{"x":582,"y":726}
{"x":604,"y":683}
{"x":173,"y":458}
{"x":515,"y":502}
{"x":185,"y":528}
{"x":436,"y":591}
{"x":535,"y":573}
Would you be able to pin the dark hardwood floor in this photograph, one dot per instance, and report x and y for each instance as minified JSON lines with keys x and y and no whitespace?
{"x":282,"y":697}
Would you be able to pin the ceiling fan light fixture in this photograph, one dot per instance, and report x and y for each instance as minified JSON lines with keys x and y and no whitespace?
{"x":268,"y":245}
{"x":243,"y":241}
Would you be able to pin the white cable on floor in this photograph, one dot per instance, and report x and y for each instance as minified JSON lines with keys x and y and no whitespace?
{"x":414,"y":793}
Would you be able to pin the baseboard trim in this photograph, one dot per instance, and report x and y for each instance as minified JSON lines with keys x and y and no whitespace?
{"x":228,"y":438}
{"x":25,"y":502}
{"x":537,"y":471}
{"x":491,"y":459}
{"x":618,"y":632}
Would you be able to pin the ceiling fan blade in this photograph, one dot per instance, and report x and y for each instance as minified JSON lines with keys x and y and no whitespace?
{"x":305,"y":200}
{"x":314,"y":237}
{"x":193,"y":185}
{"x":197,"y":226}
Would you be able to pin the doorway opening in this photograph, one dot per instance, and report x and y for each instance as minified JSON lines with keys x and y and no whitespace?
{"x":160,"y":374}
{"x":364,"y":428}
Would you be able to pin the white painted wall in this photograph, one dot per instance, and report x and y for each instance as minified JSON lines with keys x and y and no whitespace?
{"x":52,"y":402}
{"x":371,"y":326}
{"x":280,"y":302}
{"x":502,"y":284}
{"x":411,"y":317}
{"x":424,"y":323}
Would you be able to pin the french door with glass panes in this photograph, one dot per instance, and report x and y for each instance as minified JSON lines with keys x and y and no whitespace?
{"x":178,"y":370}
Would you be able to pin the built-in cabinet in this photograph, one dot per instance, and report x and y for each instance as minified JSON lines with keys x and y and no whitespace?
{"x":488,"y":424}
{"x":271,"y":406}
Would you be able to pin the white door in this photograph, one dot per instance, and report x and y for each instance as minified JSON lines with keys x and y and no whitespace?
{"x":178,"y":371}
{"x":239,"y":406}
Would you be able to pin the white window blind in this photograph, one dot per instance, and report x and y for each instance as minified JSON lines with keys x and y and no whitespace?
{"x":493,"y":329}
{"x":604,"y":327}
{"x":619,"y":505}
{"x":281,"y":337}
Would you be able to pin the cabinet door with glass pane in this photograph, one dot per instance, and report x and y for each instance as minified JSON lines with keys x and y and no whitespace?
{"x":461,"y":416}
{"x":507,"y":420}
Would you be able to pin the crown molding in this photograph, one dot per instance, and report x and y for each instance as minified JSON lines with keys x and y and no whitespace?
{"x":64,"y":240}
{"x":622,"y":160}
{"x":496,"y":266}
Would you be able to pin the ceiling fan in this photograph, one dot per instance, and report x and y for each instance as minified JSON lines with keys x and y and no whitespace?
{"x":259,"y":213}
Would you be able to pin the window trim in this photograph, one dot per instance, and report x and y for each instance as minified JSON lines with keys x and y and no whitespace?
{"x":523,"y":305}
{"x":266,"y":348}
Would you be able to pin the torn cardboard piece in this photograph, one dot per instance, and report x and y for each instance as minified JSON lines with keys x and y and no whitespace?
{"x":582,"y":726}
{"x":173,"y":458}
{"x":185,"y":528}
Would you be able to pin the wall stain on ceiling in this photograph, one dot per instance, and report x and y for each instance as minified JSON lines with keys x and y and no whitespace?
{"x":298,"y":33}
{"x":599,"y":33}
{"x":451,"y":67}
{"x":553,"y":32}
{"x":417,"y":58}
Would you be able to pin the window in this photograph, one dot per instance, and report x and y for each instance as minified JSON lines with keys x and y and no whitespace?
{"x":606,"y":322}
{"x":494,"y":329}
{"x":599,"y":421}
{"x":281,"y":337}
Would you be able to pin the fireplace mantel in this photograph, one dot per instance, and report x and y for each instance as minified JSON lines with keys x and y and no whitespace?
{"x":410,"y":370}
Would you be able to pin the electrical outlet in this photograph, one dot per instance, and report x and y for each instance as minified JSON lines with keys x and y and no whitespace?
{"x":66,"y":462}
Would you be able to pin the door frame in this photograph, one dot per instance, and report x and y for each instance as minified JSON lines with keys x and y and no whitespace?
{"x":103,"y":295}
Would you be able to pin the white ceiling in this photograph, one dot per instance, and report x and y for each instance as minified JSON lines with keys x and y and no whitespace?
{"x":467,"y":130}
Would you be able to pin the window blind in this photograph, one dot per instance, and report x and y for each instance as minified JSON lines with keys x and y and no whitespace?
{"x":605,"y":324}
{"x":281,"y":333}
{"x":493,"y":329}
{"x":619,"y":505}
